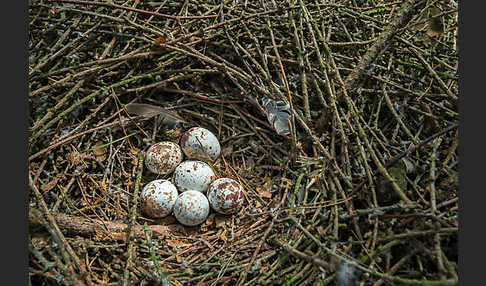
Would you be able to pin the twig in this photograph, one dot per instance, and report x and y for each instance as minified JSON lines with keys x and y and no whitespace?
{"x":85,"y":99}
{"x":116,"y":6}
{"x":198,"y":96}
{"x":407,"y":11}
{"x":61,"y":240}
{"x":419,"y":233}
{"x":434,"y":74}
{"x":433,"y":204}
{"x":397,"y":117}
{"x":131,"y":224}
{"x":372,"y":271}
{"x":243,"y":274}
{"x":60,"y":103}
{"x":64,"y":141}
{"x":413,"y":148}
{"x":409,"y":151}
{"x":395,"y":267}
{"x":301,"y":255}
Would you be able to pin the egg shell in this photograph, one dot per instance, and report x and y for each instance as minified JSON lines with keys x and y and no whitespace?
{"x":225,"y":196}
{"x":162,"y":158}
{"x":191,"y":208}
{"x":193,"y":175}
{"x":158,"y":198}
{"x":200,"y":143}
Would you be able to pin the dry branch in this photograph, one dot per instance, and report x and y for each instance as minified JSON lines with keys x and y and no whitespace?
{"x":97,"y":229}
{"x":385,"y":38}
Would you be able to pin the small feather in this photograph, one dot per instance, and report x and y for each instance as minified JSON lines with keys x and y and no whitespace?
{"x":148,"y":110}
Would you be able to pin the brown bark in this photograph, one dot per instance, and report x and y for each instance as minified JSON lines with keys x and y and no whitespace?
{"x":103,"y":230}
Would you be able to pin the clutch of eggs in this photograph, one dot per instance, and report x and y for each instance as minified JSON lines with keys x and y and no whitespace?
{"x":192,"y":178}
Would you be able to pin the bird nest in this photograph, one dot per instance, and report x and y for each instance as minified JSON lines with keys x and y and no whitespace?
{"x":339,"y":119}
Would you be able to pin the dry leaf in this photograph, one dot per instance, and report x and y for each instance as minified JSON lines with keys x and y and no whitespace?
{"x":452,"y":28}
{"x":167,"y":220}
{"x":160,"y":229}
{"x":262,"y":269}
{"x":172,"y":243}
{"x":219,"y":222}
{"x":177,"y":228}
{"x":100,"y":153}
{"x":238,"y":233}
{"x":266,"y":194}
{"x":159,"y":40}
{"x":258,"y":204}
{"x":209,"y":221}
{"x":434,"y":25}
{"x":104,"y":185}
{"x":223,"y":236}
{"x":176,"y":243}
{"x":266,"y":182}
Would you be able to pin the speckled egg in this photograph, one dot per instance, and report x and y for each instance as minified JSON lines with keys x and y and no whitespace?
{"x":162,"y":158}
{"x":200,"y":143}
{"x":191,"y":208}
{"x":193,"y":175}
{"x":225,"y":196}
{"x":158,"y":198}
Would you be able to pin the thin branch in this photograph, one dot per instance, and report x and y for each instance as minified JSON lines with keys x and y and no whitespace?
{"x":116,"y":6}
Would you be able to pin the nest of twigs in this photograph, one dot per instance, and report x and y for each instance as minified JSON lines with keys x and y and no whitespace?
{"x":362,"y":190}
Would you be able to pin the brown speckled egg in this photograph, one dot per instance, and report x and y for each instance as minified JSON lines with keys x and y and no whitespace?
{"x":191,"y":208}
{"x":199,"y":143}
{"x":225,"y":196}
{"x":162,"y":158}
{"x":158,"y":198}
{"x":193,"y":175}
